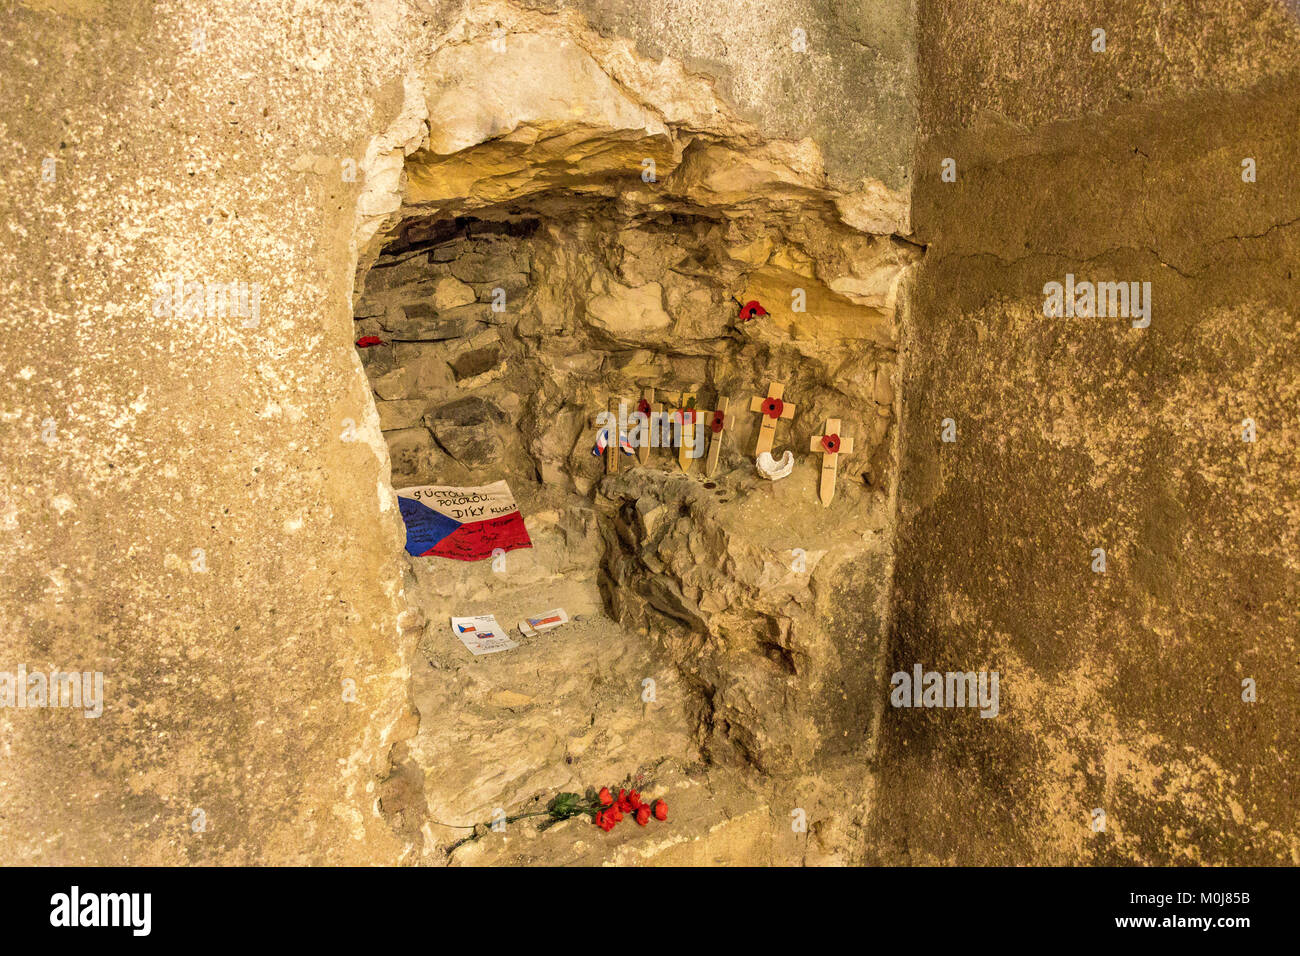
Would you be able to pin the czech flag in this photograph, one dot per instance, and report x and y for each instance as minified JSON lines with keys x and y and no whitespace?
{"x":465,"y":524}
{"x":602,"y":442}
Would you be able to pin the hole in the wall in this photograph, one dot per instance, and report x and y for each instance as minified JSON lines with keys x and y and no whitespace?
{"x":505,"y":328}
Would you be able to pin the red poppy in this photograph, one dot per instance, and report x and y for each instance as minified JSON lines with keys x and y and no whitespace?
{"x":605,"y":797}
{"x":716,"y":424}
{"x":643,"y":815}
{"x":831,"y":443}
{"x":368,"y":340}
{"x":634,"y":798}
{"x":660,"y":810}
{"x":643,"y":407}
{"x":751,"y":309}
{"x":773,"y":407}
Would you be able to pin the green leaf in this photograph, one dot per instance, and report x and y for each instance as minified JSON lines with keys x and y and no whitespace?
{"x":565,"y":805}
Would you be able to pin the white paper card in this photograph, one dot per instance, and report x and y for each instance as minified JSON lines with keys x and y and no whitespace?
{"x":482,"y":634}
{"x":529,"y":626}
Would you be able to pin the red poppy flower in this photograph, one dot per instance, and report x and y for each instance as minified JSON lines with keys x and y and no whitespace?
{"x":634,"y":799}
{"x":368,"y":340}
{"x":605,"y":797}
{"x":614,"y":813}
{"x":643,"y":407}
{"x":660,"y":810}
{"x":773,"y":407}
{"x":831,"y":443}
{"x":716,"y":424}
{"x":642,"y":815}
{"x":751,"y":309}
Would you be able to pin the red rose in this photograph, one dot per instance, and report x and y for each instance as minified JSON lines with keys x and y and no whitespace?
{"x":831,"y":443}
{"x":605,"y":797}
{"x":642,"y":815}
{"x":660,"y":810}
{"x":773,"y":407}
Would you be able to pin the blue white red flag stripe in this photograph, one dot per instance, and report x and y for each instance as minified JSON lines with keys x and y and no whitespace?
{"x":465,"y":524}
{"x":602,"y":442}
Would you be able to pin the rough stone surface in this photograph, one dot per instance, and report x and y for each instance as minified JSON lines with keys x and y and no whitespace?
{"x":539,"y":207}
{"x":1121,"y":691}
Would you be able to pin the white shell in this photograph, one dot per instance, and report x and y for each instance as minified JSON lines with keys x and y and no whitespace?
{"x":772,"y":469}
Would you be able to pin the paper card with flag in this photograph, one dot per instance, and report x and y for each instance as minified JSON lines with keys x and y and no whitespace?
{"x":481,"y":634}
{"x":529,"y":626}
{"x":466,"y":524}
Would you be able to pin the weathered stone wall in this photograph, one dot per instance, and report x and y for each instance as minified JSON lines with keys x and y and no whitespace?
{"x":1122,"y":690}
{"x":197,"y":503}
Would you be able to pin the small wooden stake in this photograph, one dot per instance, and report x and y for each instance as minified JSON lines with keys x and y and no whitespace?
{"x":646,"y":407}
{"x":612,"y":447}
{"x":717,"y":423}
{"x":831,"y":444}
{"x":772,"y":406}
{"x":690,"y":415}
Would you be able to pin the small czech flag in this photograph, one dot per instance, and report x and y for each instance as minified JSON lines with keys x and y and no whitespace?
{"x":602,"y":442}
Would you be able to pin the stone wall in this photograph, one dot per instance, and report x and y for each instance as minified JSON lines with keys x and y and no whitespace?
{"x":596,"y":300}
{"x":1121,"y":691}
{"x":210,"y":521}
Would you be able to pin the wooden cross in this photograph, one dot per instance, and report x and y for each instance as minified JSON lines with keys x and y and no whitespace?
{"x":690,"y":415}
{"x":772,"y":407}
{"x":717,"y":423}
{"x":831,"y":445}
{"x":612,"y":447}
{"x":646,"y":407}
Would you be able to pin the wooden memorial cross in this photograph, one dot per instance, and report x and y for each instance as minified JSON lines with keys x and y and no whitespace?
{"x":717,"y":422}
{"x":612,"y":445}
{"x":646,"y":407}
{"x":690,"y":415}
{"x":831,"y":445}
{"x":772,"y":406}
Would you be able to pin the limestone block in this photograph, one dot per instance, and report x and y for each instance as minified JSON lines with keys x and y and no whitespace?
{"x":423,"y":323}
{"x":633,"y":315}
{"x":427,"y":362}
{"x":410,"y":450}
{"x":449,"y":292}
{"x":465,"y":429}
{"x":394,"y":385}
{"x":400,"y":414}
